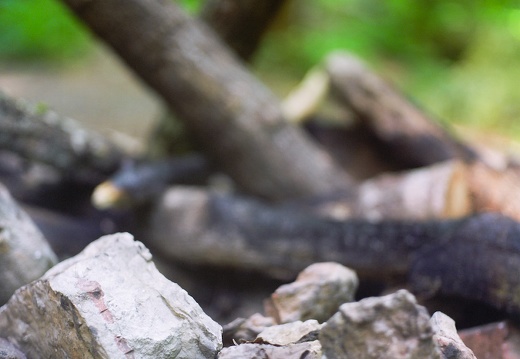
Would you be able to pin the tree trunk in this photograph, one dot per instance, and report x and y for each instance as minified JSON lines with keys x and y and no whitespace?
{"x":236,"y":120}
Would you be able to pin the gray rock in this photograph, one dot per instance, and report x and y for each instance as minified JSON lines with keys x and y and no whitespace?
{"x":242,"y":329}
{"x":393,"y":326}
{"x":25,"y":255}
{"x":447,"y":338}
{"x":108,"y":302}
{"x":9,"y":351}
{"x":317,"y":293}
{"x":307,"y":350}
{"x":289,"y":333}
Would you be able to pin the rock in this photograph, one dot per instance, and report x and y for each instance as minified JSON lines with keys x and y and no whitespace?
{"x":317,"y":293}
{"x":9,"y":351}
{"x":500,"y":340}
{"x":290,"y":333}
{"x":307,"y":350}
{"x":109,"y":301}
{"x":446,"y":337}
{"x":242,"y":329}
{"x":25,"y":255}
{"x":393,"y":326}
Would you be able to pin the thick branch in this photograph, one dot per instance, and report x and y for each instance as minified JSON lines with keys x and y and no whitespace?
{"x":206,"y":228}
{"x":236,"y":119}
{"x":45,"y":137}
{"x":476,"y":257}
{"x":410,"y":135}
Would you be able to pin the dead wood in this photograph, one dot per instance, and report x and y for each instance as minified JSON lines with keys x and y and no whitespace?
{"x":240,"y":23}
{"x":439,"y":191}
{"x":475,"y":258}
{"x":195,"y":225}
{"x":236,"y":120}
{"x":451,"y":189}
{"x":42,"y":136}
{"x":412,"y":137}
{"x":139,"y":183}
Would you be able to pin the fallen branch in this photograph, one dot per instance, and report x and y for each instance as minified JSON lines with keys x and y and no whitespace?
{"x":411,"y":137}
{"x":476,"y":257}
{"x":236,"y":120}
{"x":42,"y":136}
{"x":194,"y":225}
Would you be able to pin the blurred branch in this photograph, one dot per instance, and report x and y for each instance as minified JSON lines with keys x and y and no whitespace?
{"x":43,"y":136}
{"x":236,"y":120}
{"x":410,"y":135}
{"x":227,"y":231}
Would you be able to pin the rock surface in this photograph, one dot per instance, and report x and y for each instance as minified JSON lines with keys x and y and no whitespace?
{"x":446,"y":337}
{"x":290,"y":333}
{"x":9,"y":351}
{"x":25,"y":255}
{"x":108,"y":302}
{"x":317,"y":293}
{"x":307,"y":350}
{"x":393,"y":326}
{"x":246,"y":329}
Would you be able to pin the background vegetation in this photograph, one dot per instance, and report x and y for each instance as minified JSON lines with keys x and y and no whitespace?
{"x":458,"y":59}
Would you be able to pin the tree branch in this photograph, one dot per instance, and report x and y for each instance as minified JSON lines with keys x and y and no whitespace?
{"x":476,"y":257}
{"x":45,"y":137}
{"x":237,"y":121}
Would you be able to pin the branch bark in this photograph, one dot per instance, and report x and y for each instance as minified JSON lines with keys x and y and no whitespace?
{"x":411,"y":137}
{"x":43,"y":136}
{"x":237,"y":121}
{"x":216,"y":230}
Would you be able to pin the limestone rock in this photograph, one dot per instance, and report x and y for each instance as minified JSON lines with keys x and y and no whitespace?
{"x":317,"y":293}
{"x":25,"y":255}
{"x":393,"y":326}
{"x":290,"y":333}
{"x":109,"y":301}
{"x":307,"y":350}
{"x":446,"y":337}
{"x":242,"y":329}
{"x":9,"y":351}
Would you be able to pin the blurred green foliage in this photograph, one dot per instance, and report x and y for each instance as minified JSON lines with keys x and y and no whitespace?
{"x":39,"y":30}
{"x":458,"y":59}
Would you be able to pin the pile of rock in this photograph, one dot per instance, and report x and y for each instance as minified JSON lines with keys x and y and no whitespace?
{"x":111,"y":302}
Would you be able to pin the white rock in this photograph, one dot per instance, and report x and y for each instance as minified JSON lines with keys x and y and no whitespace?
{"x":289,"y":333}
{"x":317,"y":293}
{"x":108,"y":302}
{"x":307,"y":350}
{"x":393,"y":326}
{"x":447,"y":338}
